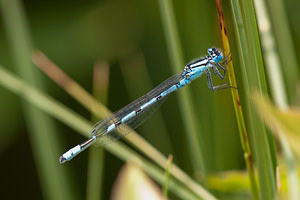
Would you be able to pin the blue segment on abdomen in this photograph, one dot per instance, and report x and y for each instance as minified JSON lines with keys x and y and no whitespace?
{"x":148,"y":103}
{"x":111,"y":127}
{"x":128,"y":116}
{"x":168,"y":91}
{"x":183,"y":82}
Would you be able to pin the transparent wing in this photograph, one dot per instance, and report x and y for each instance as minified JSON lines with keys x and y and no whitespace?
{"x":100,"y":129}
{"x":128,"y":126}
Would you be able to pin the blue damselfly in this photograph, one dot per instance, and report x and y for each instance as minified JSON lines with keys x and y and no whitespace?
{"x":131,"y":116}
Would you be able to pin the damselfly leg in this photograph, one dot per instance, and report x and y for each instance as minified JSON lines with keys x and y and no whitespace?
{"x":216,"y":71}
{"x":225,"y":63}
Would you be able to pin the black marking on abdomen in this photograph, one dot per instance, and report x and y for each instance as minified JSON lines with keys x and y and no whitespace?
{"x":158,"y":97}
{"x":118,"y":123}
{"x":138,"y":110}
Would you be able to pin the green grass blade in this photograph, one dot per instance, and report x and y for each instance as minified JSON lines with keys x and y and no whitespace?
{"x":285,"y":123}
{"x":238,"y":105}
{"x":286,"y":48}
{"x":96,"y":161}
{"x":44,"y":143}
{"x":277,"y":86}
{"x":270,"y":55}
{"x":95,"y":172}
{"x":254,"y":78}
{"x":167,"y":176}
{"x":185,"y":97}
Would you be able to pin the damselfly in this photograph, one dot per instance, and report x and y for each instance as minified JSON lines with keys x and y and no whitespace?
{"x":131,"y":116}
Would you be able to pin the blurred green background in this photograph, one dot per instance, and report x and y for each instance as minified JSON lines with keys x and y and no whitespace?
{"x":129,"y":35}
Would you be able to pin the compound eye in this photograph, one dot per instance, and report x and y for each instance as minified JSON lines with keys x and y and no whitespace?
{"x":215,"y":54}
{"x":212,"y":51}
{"x":217,"y":58}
